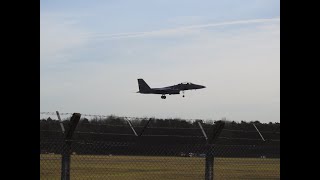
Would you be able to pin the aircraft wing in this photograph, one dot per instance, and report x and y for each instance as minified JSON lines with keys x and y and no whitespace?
{"x":167,"y":90}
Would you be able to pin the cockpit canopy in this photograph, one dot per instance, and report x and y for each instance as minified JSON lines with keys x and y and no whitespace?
{"x":186,"y":83}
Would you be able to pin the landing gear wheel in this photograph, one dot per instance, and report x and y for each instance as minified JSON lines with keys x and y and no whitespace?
{"x":183,"y":93}
{"x":163,"y":97}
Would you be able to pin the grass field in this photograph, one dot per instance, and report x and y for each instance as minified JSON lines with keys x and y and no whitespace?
{"x":148,"y":168}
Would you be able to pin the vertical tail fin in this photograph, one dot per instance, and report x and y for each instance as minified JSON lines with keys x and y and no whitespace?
{"x":143,"y":86}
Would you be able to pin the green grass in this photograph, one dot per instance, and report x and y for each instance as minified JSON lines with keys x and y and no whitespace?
{"x":147,"y":167}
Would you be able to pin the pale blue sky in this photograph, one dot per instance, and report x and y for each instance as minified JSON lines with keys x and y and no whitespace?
{"x":92,"y":53}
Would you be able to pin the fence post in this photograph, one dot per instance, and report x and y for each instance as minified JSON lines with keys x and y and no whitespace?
{"x":217,"y":128}
{"x":258,"y":132}
{"x":209,"y":164}
{"x":203,"y":132}
{"x":66,"y":151}
{"x":144,"y":128}
{"x":61,"y":124}
{"x":134,"y":131}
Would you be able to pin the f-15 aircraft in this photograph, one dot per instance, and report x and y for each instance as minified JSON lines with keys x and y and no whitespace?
{"x":175,"y":89}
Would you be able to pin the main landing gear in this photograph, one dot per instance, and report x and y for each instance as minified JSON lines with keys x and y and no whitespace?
{"x":163,"y":97}
{"x":183,"y":93}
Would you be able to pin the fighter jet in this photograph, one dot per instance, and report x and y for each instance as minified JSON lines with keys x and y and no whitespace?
{"x":175,"y":89}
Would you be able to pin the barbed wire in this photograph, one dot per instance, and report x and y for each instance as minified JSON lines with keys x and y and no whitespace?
{"x":110,"y":125}
{"x":121,"y":134}
{"x":145,"y":118}
{"x":94,"y":115}
{"x":149,"y":127}
{"x":53,"y":113}
{"x":125,"y":117}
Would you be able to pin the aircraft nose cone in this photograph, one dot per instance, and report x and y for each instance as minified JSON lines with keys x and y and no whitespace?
{"x":201,"y":87}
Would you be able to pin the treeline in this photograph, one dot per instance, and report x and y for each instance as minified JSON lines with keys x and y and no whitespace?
{"x":103,"y":129}
{"x":158,"y":122}
{"x":103,"y":123}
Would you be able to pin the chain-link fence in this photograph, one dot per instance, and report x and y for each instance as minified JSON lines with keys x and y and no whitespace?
{"x":134,"y":152}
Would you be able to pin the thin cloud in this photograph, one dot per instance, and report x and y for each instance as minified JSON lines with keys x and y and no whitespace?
{"x":58,"y":37}
{"x":179,"y":30}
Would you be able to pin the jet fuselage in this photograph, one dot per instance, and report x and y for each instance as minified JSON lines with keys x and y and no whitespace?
{"x":175,"y":89}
